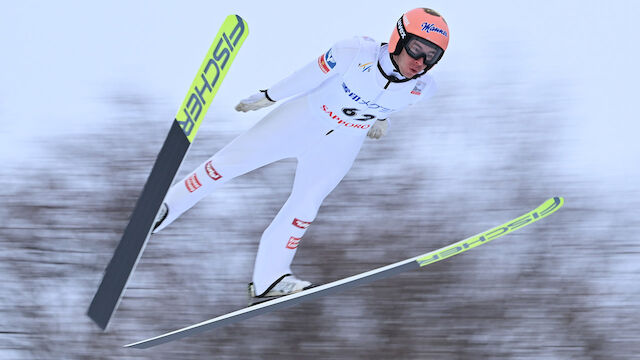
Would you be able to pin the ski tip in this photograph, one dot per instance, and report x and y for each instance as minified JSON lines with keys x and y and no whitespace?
{"x":558,"y":200}
{"x":237,"y":18}
{"x":548,"y":207}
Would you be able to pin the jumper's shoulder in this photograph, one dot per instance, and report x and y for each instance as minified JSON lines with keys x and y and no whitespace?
{"x":355,"y":44}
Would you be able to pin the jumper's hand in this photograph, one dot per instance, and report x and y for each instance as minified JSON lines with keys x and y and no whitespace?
{"x":379,"y":129}
{"x":255,"y":102}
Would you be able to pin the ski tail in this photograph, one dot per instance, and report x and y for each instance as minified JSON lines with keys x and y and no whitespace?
{"x":214,"y":68}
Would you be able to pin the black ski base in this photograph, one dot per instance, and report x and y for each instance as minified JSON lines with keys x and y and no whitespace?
{"x":137,"y":231}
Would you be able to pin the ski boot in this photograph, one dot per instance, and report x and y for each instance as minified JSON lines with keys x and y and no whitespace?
{"x":285,"y":285}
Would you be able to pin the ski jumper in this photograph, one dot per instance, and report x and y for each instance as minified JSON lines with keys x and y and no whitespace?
{"x":339,"y":97}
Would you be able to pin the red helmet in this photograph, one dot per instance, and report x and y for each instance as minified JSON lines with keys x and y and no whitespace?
{"x":422,"y":25}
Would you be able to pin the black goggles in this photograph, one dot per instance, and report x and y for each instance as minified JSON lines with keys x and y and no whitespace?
{"x":418,"y":47}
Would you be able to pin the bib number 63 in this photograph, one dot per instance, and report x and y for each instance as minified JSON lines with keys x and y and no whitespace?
{"x":351,"y":112}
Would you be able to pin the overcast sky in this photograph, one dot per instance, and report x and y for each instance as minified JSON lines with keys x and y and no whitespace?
{"x":62,"y":60}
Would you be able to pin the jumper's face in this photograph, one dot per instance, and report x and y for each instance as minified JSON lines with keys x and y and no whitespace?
{"x":417,"y":54}
{"x":408,"y":66}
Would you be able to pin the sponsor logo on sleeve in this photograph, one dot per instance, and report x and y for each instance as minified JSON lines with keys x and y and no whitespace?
{"x":326,"y":61}
{"x":192,"y":183}
{"x":208,"y":167}
{"x":293,"y":243}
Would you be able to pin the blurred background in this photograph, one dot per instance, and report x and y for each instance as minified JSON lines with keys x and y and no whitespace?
{"x":536,"y":99}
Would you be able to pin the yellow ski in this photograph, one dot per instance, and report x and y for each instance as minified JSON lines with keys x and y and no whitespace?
{"x":183,"y":130}
{"x":544,"y":210}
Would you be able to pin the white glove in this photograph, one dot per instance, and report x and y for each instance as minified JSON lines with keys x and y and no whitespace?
{"x":255,"y":102}
{"x":379,"y":129}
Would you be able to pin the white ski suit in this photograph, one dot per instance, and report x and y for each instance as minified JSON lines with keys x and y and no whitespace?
{"x":339,"y":97}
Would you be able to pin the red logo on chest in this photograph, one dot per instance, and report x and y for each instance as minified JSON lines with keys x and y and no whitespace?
{"x":345,"y":123}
